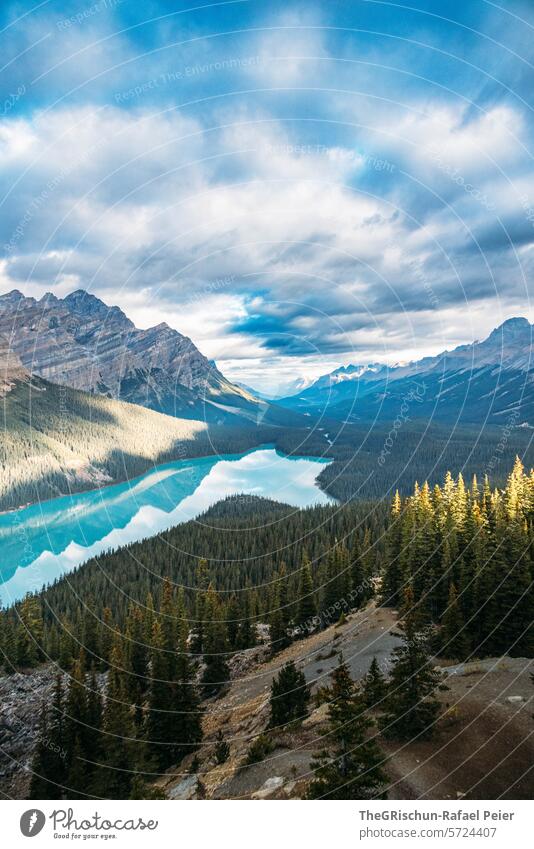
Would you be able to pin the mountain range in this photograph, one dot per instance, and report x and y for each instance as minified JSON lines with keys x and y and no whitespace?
{"x":487,"y":381}
{"x":80,"y":342}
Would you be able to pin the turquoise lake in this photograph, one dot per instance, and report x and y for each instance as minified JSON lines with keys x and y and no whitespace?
{"x":43,"y":541}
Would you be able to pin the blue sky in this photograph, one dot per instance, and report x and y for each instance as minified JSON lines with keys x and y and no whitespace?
{"x":294,"y":185}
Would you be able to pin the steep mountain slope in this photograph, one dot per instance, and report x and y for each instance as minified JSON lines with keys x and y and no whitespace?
{"x":11,"y":369}
{"x":56,"y":440}
{"x":79,"y":341}
{"x":490,"y":381}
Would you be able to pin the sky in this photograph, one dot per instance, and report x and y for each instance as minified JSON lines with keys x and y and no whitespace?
{"x":294,"y":185}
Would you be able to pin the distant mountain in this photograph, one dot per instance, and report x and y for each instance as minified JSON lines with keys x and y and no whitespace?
{"x":79,"y":341}
{"x":254,"y":392}
{"x":491,"y":381}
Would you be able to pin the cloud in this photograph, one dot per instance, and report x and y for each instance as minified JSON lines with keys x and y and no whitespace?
{"x":345,"y":225}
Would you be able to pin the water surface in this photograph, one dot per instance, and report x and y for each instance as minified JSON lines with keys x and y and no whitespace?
{"x":41,"y":542}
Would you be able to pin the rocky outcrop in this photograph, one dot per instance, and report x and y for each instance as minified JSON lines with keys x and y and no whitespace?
{"x":21,"y":696}
{"x":11,"y":368}
{"x":79,"y":341}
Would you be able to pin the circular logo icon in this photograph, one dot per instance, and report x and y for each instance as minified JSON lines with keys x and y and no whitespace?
{"x":32,"y":822}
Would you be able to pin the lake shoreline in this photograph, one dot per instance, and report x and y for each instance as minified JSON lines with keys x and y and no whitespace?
{"x":117,"y":481}
{"x":43,"y":541}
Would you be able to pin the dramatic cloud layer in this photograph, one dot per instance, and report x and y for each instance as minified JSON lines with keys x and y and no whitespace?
{"x":293,"y":185}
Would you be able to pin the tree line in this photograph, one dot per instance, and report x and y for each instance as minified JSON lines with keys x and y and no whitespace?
{"x":467,"y":554}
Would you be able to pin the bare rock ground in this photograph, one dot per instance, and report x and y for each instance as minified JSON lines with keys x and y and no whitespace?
{"x":483,"y":746}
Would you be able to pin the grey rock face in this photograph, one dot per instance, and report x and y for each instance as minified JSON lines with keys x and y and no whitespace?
{"x":81,"y":342}
{"x":11,"y":368}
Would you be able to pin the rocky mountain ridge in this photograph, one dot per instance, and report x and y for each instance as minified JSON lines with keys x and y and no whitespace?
{"x":483,"y":381}
{"x":81,"y":342}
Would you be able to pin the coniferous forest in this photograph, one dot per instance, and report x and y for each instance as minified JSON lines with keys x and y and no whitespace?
{"x":141,"y":639}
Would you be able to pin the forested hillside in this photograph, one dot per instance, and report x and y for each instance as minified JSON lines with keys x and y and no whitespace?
{"x":373,"y":461}
{"x":56,"y":440}
{"x":467,"y":555}
{"x":245,"y":548}
{"x":147,"y":634}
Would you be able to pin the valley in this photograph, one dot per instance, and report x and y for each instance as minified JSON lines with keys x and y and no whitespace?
{"x":42,"y":542}
{"x":185,"y":637}
{"x":174,"y":545}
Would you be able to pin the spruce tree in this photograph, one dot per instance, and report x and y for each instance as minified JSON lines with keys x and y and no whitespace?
{"x":374,"y":686}
{"x":392,"y":579}
{"x":411,"y":707}
{"x":49,"y":760}
{"x":351,"y":768}
{"x":279,"y":616}
{"x":30,"y":631}
{"x":289,"y":696}
{"x":159,"y":719}
{"x":453,"y":637}
{"x":306,"y":614}
{"x":216,"y":673}
{"x":187,"y":718}
{"x":114,"y":776}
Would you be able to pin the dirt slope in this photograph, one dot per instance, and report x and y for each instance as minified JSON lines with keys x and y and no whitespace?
{"x":483,"y":746}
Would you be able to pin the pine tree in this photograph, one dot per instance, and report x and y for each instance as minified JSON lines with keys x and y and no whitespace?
{"x":159,"y":720}
{"x":30,"y":631}
{"x":368,"y":560}
{"x":352,"y":767}
{"x":187,"y":724}
{"x":216,"y":674}
{"x":136,"y":660}
{"x":114,"y":777}
{"x":173,"y":724}
{"x":279,"y":618}
{"x":289,"y":696}
{"x":76,"y":724}
{"x":77,"y":777}
{"x":105,"y":637}
{"x":374,"y":686}
{"x":306,"y":603}
{"x":49,"y":761}
{"x":90,"y":629}
{"x":411,"y":706}
{"x":333,"y":590}
{"x":453,"y":638}
{"x":247,"y":636}
{"x":233,"y":616}
{"x":392,"y":580}
{"x":201,"y":599}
